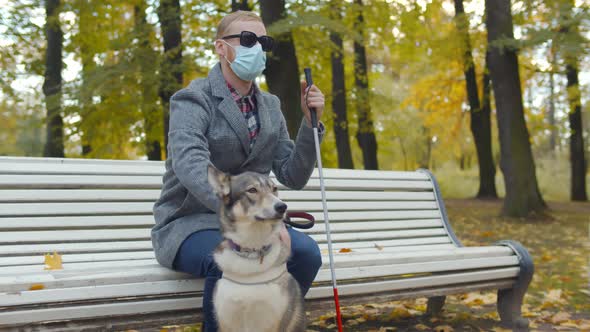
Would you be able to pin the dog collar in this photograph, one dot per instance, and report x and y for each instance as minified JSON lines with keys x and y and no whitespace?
{"x":249,"y":253}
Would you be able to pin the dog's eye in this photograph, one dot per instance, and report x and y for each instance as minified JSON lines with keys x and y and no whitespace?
{"x":252,"y":190}
{"x":275,"y":189}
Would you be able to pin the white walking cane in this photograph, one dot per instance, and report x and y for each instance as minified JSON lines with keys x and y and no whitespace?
{"x":314,"y":124}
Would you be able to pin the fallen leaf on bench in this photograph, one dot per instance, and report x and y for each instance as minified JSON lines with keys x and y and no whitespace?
{"x":443,"y":328}
{"x":345,"y":250}
{"x":53,"y":262}
{"x":36,"y":287}
{"x":378,"y":247}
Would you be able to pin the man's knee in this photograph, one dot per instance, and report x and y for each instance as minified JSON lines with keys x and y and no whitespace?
{"x":195,"y":256}
{"x":316,"y":258}
{"x":307,"y":252}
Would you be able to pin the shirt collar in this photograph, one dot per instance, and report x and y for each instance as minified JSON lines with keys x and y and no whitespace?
{"x":236,"y":94}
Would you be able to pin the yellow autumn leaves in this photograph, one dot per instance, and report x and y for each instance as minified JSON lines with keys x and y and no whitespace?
{"x":53,"y":261}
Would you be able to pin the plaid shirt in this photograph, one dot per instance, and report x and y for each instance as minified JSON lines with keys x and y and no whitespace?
{"x":247,"y":104}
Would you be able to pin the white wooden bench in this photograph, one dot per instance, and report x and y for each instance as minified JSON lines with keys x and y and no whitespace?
{"x":98,"y":214}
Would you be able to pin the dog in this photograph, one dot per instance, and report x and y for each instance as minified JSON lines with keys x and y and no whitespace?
{"x":256,"y":292}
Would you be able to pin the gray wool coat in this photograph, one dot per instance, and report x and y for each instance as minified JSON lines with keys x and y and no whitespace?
{"x":207,"y":126}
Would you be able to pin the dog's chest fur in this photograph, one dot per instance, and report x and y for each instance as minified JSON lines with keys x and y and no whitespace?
{"x":252,"y":308}
{"x":253,"y":295}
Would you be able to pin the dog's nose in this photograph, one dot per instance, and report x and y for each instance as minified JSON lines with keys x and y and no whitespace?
{"x":281,"y":207}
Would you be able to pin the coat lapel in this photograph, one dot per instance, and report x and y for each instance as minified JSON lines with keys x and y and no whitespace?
{"x":228,"y":107}
{"x":265,"y":127}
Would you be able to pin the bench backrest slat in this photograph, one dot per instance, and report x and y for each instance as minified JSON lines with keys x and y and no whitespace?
{"x":104,"y":207}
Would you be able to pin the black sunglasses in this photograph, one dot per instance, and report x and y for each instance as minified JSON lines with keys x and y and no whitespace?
{"x":248,"y":39}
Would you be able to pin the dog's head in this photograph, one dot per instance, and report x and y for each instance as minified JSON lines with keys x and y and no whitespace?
{"x":248,"y":197}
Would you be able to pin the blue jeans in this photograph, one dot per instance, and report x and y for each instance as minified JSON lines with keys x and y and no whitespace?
{"x":195,"y":257}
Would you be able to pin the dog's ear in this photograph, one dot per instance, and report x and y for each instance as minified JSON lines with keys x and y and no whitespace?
{"x":219,"y":181}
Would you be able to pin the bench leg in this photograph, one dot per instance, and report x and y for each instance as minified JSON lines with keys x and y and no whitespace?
{"x":435,"y":305}
{"x":510,"y":300}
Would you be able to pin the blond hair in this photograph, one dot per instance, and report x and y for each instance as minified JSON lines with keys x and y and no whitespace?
{"x":240,"y":15}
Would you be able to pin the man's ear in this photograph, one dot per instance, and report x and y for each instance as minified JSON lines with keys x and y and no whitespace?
{"x":219,"y":181}
{"x":219,"y":48}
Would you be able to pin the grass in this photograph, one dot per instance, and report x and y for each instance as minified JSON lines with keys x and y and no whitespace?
{"x":553,"y":178}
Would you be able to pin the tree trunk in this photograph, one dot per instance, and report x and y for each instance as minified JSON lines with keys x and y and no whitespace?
{"x":366,"y":131}
{"x":339,"y":99}
{"x":171,"y":68}
{"x":517,"y":164}
{"x":237,"y":5}
{"x":86,"y":28}
{"x":54,"y":145}
{"x":425,"y":157}
{"x":144,"y":57}
{"x":483,"y":122}
{"x":480,"y":117}
{"x":551,"y":111}
{"x":487,"y":181}
{"x":577,"y":157}
{"x":282,"y":71}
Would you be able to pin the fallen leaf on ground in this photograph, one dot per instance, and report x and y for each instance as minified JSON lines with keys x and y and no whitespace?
{"x":500,"y":329}
{"x":443,"y":328}
{"x":399,"y":312}
{"x":421,"y":327}
{"x":560,"y":317}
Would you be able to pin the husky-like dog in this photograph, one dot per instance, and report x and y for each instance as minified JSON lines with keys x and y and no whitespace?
{"x":256,"y":293}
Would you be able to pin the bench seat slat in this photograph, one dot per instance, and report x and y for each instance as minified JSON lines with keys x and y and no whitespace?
{"x":340,"y":260}
{"x":12,"y":284}
{"x":16,"y":286}
{"x":116,"y":256}
{"x":418,"y":282}
{"x":170,"y":287}
{"x":192,"y":303}
{"x":407,"y":269}
{"x":191,"y":285}
{"x":151,"y":195}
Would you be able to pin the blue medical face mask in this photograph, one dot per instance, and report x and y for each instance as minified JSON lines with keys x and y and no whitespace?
{"x":249,"y":62}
